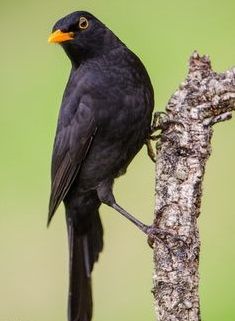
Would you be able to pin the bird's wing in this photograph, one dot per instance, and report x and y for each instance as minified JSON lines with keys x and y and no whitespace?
{"x":72,"y":142}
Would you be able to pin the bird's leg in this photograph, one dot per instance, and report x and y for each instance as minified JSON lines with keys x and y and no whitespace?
{"x":144,"y":228}
{"x":154,"y":234}
{"x":150,"y":150}
{"x":105,"y":195}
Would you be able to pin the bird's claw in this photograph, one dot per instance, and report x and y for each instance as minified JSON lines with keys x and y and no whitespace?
{"x":158,"y":120}
{"x":156,"y":125}
{"x":160,"y":235}
{"x":161,"y":121}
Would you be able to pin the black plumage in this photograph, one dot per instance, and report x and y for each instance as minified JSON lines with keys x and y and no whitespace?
{"x":104,"y":121}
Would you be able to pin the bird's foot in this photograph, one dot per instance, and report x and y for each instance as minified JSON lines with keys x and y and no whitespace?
{"x":154,"y":234}
{"x":161,"y":121}
{"x":157,"y":124}
{"x":158,"y":120}
{"x":160,"y":235}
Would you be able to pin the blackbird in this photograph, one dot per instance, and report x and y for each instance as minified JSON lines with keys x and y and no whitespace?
{"x":104,"y":120}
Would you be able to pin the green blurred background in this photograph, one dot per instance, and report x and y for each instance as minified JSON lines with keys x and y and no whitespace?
{"x":33,"y":268}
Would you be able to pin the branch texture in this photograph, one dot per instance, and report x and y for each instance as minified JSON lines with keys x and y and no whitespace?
{"x":205,"y":98}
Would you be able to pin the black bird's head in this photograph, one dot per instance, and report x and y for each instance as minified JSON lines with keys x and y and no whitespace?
{"x":83,"y":36}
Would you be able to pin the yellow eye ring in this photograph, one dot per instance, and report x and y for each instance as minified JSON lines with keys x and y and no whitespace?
{"x":83,"y":23}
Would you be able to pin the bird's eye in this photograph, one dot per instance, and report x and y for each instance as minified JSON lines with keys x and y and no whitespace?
{"x":83,"y":23}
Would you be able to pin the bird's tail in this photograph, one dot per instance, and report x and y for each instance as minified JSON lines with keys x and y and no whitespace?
{"x":83,"y":253}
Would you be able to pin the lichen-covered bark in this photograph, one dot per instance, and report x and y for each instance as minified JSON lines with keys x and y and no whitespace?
{"x":204,"y":99}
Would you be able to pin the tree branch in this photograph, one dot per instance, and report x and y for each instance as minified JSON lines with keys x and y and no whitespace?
{"x":204,"y":99}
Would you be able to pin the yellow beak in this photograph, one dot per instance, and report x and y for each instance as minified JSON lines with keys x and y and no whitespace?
{"x":59,"y":36}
